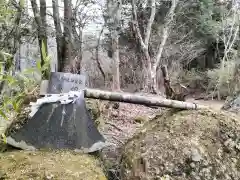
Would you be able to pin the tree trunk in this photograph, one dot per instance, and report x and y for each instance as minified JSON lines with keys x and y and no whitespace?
{"x":41,"y":29}
{"x":77,"y":48}
{"x":43,"y":15}
{"x":67,"y":44}
{"x":138,"y":99}
{"x":114,"y":12}
{"x":132,"y":98}
{"x":77,"y":43}
{"x":166,"y":29}
{"x":116,"y":73}
{"x":59,"y":34}
{"x":97,"y":57}
{"x":144,"y":41}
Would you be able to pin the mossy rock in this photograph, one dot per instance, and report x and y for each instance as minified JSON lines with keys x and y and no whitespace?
{"x":141,"y":119}
{"x":50,"y":165}
{"x":184,"y":145}
{"x":93,"y":106}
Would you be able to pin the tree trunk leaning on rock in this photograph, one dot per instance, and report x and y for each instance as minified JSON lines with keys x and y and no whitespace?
{"x":138,"y":99}
{"x":131,"y":98}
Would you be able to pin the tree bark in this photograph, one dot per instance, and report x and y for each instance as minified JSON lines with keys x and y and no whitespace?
{"x":97,"y":56}
{"x":144,"y":41}
{"x":77,"y":31}
{"x":153,"y":63}
{"x":166,"y":29}
{"x":114,"y":12}
{"x":138,"y":99}
{"x":43,"y":14}
{"x":41,"y":29}
{"x":67,"y":44}
{"x":59,"y":38}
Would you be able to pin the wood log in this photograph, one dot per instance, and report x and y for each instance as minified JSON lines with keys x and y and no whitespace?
{"x":138,"y":99}
{"x":150,"y":101}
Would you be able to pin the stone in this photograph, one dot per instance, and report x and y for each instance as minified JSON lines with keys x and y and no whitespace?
{"x":58,"y":122}
{"x":232,"y":104}
{"x":60,"y":82}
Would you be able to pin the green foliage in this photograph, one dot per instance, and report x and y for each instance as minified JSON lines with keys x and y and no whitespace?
{"x":18,"y":87}
{"x":5,"y":12}
{"x":45,"y":69}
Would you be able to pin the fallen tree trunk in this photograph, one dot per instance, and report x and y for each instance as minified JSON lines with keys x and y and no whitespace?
{"x":138,"y":99}
{"x":153,"y":101}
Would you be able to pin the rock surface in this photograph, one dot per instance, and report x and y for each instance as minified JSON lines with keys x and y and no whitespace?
{"x":185,"y":145}
{"x":49,"y":165}
{"x":232,"y":104}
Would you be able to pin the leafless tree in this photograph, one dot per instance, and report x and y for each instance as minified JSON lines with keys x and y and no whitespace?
{"x":114,"y":9}
{"x":153,"y":63}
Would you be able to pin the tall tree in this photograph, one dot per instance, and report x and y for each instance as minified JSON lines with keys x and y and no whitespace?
{"x":152,"y":63}
{"x":40,"y":19}
{"x":59,"y":37}
{"x":114,"y":23}
{"x":67,"y":34}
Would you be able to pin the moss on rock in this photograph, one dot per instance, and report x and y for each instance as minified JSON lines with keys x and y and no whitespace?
{"x":93,"y":106}
{"x":184,"y":145}
{"x":50,"y":165}
{"x":141,"y":119}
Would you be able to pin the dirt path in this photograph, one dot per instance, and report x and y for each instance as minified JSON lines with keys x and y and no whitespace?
{"x":214,"y":104}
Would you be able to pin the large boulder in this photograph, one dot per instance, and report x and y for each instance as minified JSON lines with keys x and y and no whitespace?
{"x":50,"y":165}
{"x":185,"y":145}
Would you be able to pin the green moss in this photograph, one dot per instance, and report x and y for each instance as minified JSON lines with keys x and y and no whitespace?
{"x":93,"y":107}
{"x":50,"y":165}
{"x":141,"y":119}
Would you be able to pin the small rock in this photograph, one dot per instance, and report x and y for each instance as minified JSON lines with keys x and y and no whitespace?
{"x":196,"y":155}
{"x":114,"y":113}
{"x":229,"y":144}
{"x":49,"y":176}
{"x":192,"y":165}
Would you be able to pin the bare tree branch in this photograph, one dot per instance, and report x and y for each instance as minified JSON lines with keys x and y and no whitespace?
{"x":166,"y":29}
{"x":150,"y":23}
{"x":135,"y":22}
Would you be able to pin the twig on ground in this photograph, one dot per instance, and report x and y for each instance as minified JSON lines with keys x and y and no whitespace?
{"x":117,"y":139}
{"x":114,"y":125}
